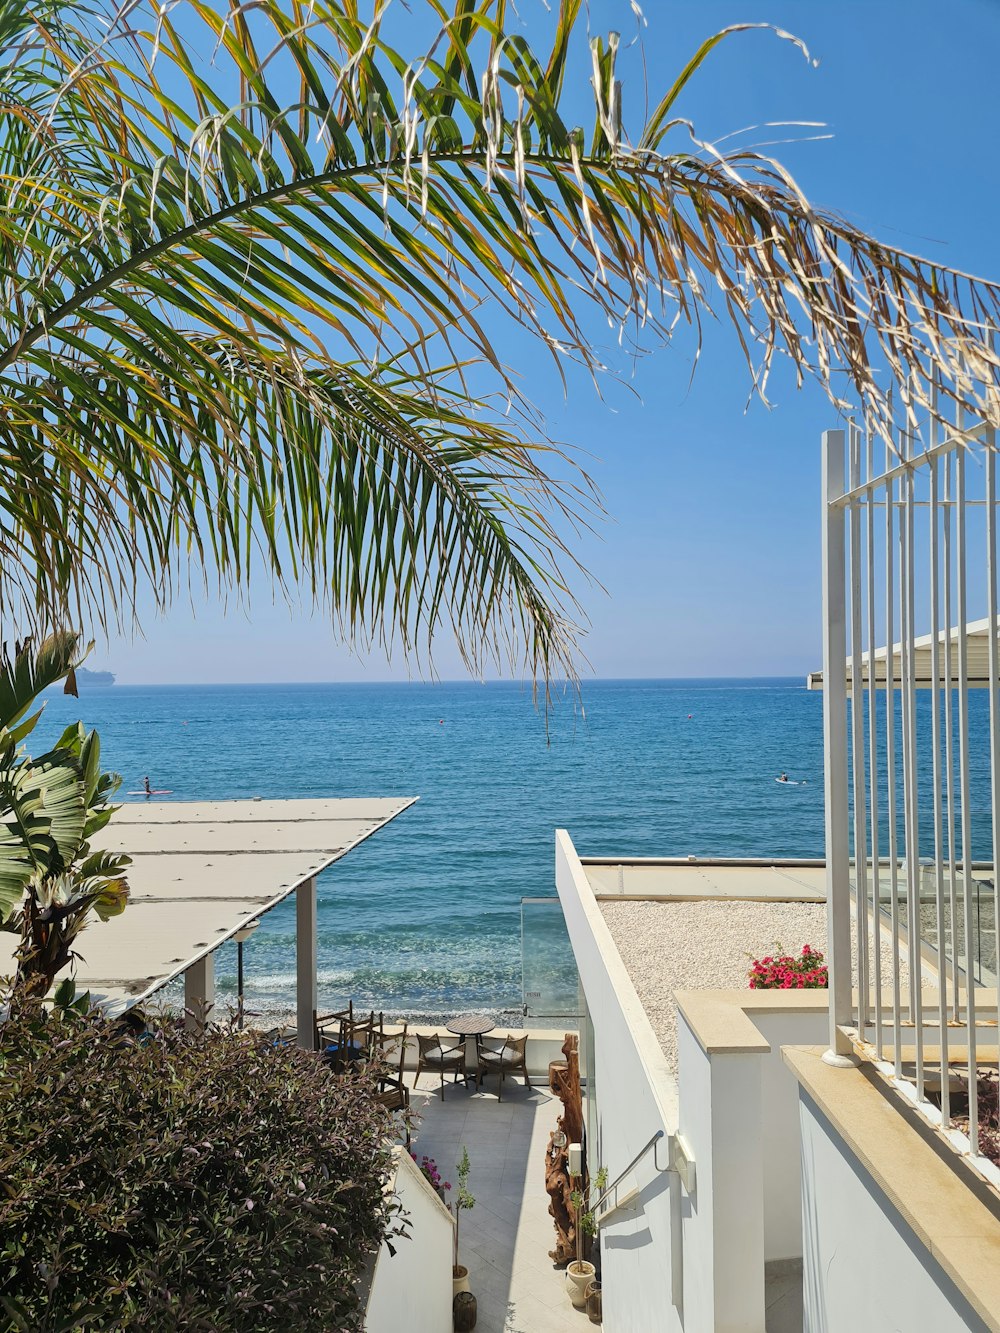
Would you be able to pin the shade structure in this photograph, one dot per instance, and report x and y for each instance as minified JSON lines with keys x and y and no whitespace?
{"x":977,"y":640}
{"x":201,"y":870}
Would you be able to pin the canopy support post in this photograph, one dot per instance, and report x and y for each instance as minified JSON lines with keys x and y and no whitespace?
{"x":199,"y":992}
{"x":305,"y":964}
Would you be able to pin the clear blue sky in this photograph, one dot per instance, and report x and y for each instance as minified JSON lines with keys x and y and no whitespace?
{"x":709,"y":558}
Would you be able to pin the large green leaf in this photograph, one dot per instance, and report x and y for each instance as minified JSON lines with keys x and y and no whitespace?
{"x":42,"y":814}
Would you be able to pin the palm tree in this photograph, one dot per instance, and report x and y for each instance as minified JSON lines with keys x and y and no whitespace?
{"x":251,"y":256}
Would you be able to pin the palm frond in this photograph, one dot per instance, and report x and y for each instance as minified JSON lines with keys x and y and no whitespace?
{"x":228,"y":282}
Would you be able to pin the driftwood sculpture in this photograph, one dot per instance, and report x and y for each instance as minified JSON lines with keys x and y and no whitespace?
{"x":570,"y":1124}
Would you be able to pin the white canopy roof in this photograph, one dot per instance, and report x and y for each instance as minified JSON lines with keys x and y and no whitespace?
{"x":201,"y":870}
{"x":978,"y":643}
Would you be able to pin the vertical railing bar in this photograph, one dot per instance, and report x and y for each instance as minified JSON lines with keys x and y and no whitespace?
{"x":858,"y":735}
{"x":837,"y":824}
{"x":910,"y":769}
{"x":949,"y":741}
{"x":989,"y":449}
{"x":942,"y":970}
{"x":965,"y":804}
{"x":890,"y":773}
{"x":904,"y":713}
{"x":873,"y":755}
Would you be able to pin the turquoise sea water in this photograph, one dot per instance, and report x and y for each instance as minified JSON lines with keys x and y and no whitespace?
{"x":426,"y":915}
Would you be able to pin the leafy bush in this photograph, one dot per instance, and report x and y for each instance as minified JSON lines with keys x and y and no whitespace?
{"x":786,"y":972}
{"x":214,"y":1182}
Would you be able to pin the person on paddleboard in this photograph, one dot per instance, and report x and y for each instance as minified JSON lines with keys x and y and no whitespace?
{"x":145,"y":783}
{"x":783,"y":778}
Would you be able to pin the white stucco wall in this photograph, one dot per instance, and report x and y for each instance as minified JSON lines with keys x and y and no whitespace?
{"x":635,"y":1099}
{"x":723,"y":1226}
{"x":779,"y":1122}
{"x":863,"y":1267}
{"x":678,"y":1261}
{"x":411,"y":1289}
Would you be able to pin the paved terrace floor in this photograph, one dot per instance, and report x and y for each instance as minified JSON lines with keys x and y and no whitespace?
{"x":504,"y":1241}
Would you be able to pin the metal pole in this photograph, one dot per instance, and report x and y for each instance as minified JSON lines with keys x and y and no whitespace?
{"x":890,"y":775}
{"x":838,"y":864}
{"x":239,"y":981}
{"x":939,"y":915}
{"x":858,"y":736}
{"x":965,"y":802}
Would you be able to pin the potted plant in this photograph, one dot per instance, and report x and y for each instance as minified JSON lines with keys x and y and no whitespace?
{"x":428,"y":1168}
{"x":579,"y":1273}
{"x":463,"y":1199}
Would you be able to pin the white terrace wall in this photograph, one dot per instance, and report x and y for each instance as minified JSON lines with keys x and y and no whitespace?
{"x":780,"y":1125}
{"x":672,"y":1260}
{"x":411,"y":1289}
{"x":635,"y":1098}
{"x":864,"y":1268}
{"x":899,"y":1230}
{"x":738,"y":1114}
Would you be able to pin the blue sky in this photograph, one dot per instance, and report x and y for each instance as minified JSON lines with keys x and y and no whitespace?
{"x":709,"y":558}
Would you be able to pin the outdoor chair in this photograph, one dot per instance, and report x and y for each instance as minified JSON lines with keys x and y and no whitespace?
{"x":509,"y":1058}
{"x":433,"y":1054}
{"x":350,"y":1040}
{"x":329,"y":1027}
{"x":391,"y":1092}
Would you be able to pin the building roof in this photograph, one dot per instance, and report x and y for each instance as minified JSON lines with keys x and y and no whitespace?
{"x":694,"y":878}
{"x":201,"y":870}
{"x":978,"y":643}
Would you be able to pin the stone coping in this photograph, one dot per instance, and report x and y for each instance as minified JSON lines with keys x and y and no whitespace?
{"x":950,"y":1209}
{"x":722,"y":1021}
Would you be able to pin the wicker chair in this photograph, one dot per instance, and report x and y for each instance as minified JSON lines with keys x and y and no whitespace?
{"x":511,"y":1057}
{"x":391,"y":1091}
{"x":433,"y":1054}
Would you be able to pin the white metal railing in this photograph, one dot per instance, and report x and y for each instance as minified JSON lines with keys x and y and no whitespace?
{"x":913,"y":759}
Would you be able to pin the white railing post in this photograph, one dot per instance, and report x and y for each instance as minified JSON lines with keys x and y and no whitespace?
{"x":838,"y":866}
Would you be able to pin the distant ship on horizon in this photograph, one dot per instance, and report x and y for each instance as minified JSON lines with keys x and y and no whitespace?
{"x":84,"y":676}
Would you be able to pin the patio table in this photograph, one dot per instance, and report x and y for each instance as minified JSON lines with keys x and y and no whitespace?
{"x":471,"y":1025}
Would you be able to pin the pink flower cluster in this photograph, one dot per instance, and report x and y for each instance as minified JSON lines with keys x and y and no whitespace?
{"x":429,"y":1170}
{"x":785,"y":972}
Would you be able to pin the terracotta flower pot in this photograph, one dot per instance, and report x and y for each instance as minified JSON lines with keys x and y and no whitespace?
{"x":578,"y":1278}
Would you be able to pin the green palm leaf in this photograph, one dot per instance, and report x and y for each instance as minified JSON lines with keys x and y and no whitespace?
{"x":228,"y":286}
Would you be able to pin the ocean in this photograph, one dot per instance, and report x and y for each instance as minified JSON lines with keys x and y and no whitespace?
{"x":425,"y":917}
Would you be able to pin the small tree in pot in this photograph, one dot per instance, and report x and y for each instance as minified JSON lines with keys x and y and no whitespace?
{"x":463,"y":1199}
{"x":580,"y":1273}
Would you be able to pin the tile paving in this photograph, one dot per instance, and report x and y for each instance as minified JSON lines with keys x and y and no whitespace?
{"x":504,"y":1241}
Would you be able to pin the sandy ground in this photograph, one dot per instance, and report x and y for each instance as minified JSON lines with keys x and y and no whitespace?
{"x":671,"y":946}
